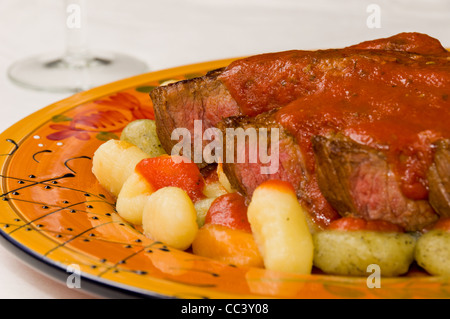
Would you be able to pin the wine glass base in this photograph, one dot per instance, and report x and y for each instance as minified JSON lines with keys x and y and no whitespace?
{"x":53,"y":73}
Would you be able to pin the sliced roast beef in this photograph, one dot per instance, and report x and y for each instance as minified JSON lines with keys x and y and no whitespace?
{"x":287,"y":163}
{"x":358,"y":180}
{"x":385,"y":94}
{"x":388,"y":136}
{"x":264,"y":82}
{"x":439,"y":179}
{"x":407,"y":41}
{"x":247,"y":172}
{"x":179,"y":104}
{"x":348,"y":177}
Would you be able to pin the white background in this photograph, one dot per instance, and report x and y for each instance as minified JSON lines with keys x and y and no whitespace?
{"x":176,"y":32}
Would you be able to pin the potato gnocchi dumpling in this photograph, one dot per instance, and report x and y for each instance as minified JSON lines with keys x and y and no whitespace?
{"x":211,"y":190}
{"x":280,"y":229}
{"x":132,"y":198}
{"x":113,"y":162}
{"x":142,"y":133}
{"x":433,"y":252}
{"x":170,"y":217}
{"x":201,"y":207}
{"x":348,"y":253}
{"x":214,"y":189}
{"x":223,"y":179}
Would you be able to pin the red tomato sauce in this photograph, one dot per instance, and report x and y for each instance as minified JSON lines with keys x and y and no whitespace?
{"x":443,"y":224}
{"x":395,"y":101}
{"x":164,"y":171}
{"x":399,"y":124}
{"x":279,"y":185}
{"x":355,"y":224}
{"x":229,"y":210}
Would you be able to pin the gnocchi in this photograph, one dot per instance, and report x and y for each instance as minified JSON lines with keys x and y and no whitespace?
{"x":223,"y":179}
{"x":142,"y":133}
{"x":280,"y":228}
{"x":169,"y":216}
{"x":201,"y":207}
{"x":283,"y":237}
{"x":113,"y":162}
{"x":349,"y":253}
{"x":133,"y":197}
{"x":214,"y":189}
{"x":433,"y":252}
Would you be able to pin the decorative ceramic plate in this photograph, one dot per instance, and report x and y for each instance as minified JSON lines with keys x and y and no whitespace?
{"x":55,"y":215}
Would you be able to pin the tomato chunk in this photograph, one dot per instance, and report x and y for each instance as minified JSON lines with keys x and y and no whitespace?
{"x":229,"y":210}
{"x":443,"y":224}
{"x":176,"y":171}
{"x":355,"y":223}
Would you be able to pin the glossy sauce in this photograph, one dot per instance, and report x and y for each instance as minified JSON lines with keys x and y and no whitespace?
{"x":443,"y":224}
{"x":398,"y":123}
{"x":355,"y":224}
{"x":263,"y":82}
{"x":229,"y":210}
{"x":278,"y":185}
{"x":397,"y":102}
{"x":164,"y":171}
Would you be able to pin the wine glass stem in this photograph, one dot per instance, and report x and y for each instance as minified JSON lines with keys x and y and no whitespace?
{"x":77,"y":48}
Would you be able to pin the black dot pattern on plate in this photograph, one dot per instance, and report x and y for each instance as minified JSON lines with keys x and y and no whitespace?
{"x":71,"y":234}
{"x":88,"y":214}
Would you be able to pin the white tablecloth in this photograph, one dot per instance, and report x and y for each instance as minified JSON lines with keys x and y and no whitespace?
{"x":176,"y":32}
